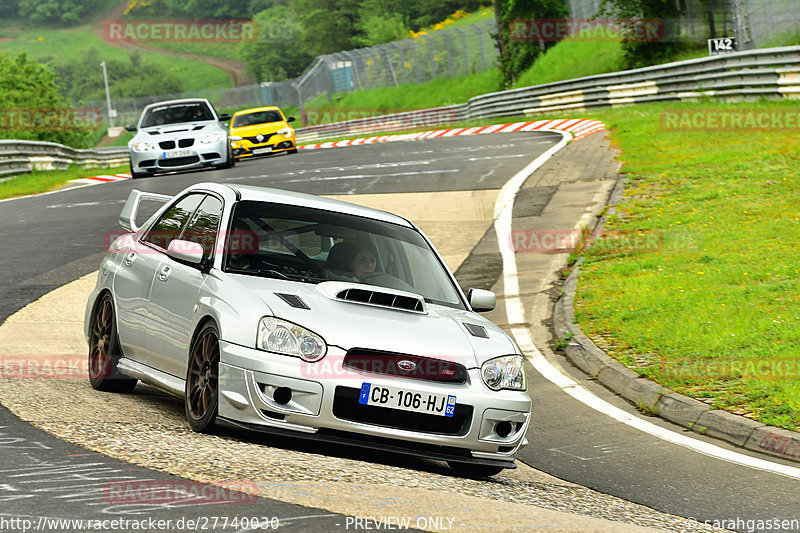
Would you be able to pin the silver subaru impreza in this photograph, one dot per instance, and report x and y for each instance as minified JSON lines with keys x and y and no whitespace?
{"x":299,"y":315}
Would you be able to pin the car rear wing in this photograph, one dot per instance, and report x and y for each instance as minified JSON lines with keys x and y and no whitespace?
{"x":127,"y":218}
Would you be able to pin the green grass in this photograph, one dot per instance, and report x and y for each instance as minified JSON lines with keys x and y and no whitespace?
{"x":483,"y":13}
{"x":64,"y":45}
{"x":713,"y":286}
{"x":47,"y":180}
{"x":439,"y":92}
{"x":573,"y":59}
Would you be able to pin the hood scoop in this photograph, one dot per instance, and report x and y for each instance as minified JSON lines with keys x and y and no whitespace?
{"x":383,"y":299}
{"x":372,"y":295}
{"x":476,"y":330}
{"x":293,"y":300}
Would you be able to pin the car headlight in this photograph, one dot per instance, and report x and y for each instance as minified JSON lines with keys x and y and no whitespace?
{"x":213,"y":138}
{"x":234,"y":145}
{"x":280,"y":336}
{"x":507,"y":372}
{"x":286,"y":132}
{"x":143,"y":147}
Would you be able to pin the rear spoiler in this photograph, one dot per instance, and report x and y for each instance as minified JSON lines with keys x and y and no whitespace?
{"x":127,"y":219}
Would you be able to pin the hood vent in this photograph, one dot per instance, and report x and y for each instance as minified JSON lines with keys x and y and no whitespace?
{"x":293,"y":300}
{"x":200,"y":127}
{"x":476,"y":330}
{"x":382,"y":299}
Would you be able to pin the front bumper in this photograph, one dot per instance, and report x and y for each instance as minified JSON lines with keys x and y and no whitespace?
{"x":274,"y":145}
{"x":197,"y":156}
{"x":279,"y":394}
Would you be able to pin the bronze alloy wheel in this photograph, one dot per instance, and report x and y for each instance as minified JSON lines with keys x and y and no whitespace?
{"x":104,"y":350}
{"x":202,"y":379}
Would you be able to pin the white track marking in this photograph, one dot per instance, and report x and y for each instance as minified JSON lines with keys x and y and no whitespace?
{"x":515,"y":312}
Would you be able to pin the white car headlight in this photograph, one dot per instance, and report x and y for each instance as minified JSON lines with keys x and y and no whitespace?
{"x":143,"y":147}
{"x":280,"y":336}
{"x":213,"y":138}
{"x":286,"y":132}
{"x":507,"y":372}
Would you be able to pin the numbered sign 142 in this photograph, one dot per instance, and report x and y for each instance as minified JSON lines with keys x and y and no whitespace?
{"x":721,"y":45}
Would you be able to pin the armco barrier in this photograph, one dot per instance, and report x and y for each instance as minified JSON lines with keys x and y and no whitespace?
{"x":19,"y":157}
{"x":771,"y":73}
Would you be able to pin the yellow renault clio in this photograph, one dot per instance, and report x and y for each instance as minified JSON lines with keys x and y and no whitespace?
{"x":261,"y":131}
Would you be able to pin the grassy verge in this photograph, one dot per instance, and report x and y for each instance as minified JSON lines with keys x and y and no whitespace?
{"x":701,"y":290}
{"x":64,"y":45}
{"x":572,"y":58}
{"x":48,"y":180}
{"x":439,"y":92}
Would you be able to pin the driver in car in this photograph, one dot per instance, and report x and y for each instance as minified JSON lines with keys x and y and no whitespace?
{"x":353,"y":259}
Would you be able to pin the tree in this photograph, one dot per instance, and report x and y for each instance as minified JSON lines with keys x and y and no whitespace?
{"x":29,"y":98}
{"x":67,"y":11}
{"x":517,"y":55}
{"x":638,"y":53}
{"x":82,"y":79}
{"x":328,"y":26}
{"x":379,"y":25}
{"x":275,"y":56}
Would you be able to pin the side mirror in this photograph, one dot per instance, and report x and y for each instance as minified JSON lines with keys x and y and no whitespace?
{"x":225,"y":117}
{"x":131,"y":127}
{"x":188,"y":251}
{"x":235,"y":138}
{"x":481,"y":300}
{"x":290,"y":119}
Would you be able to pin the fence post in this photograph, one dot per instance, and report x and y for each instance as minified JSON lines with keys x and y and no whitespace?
{"x":466,"y":52}
{"x":449,"y":53}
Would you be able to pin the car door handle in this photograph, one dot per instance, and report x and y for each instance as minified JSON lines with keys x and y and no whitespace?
{"x":164,"y":272}
{"x":129,"y":258}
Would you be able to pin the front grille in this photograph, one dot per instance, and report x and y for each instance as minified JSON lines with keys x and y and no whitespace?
{"x":387,"y":363}
{"x":179,"y":161}
{"x":167,"y":145}
{"x":147,"y":163}
{"x":346,"y":407}
{"x":185,"y":143}
{"x":264,"y":139}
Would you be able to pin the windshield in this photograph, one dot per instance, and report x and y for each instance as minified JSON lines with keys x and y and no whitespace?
{"x":311,"y":245}
{"x":257,"y":117}
{"x":176,"y":113}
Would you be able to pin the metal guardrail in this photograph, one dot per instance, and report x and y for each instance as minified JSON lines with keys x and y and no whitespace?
{"x":771,"y":73}
{"x":19,"y":157}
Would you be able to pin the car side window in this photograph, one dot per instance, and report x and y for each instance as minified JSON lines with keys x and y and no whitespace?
{"x":203,"y":226}
{"x":171,"y":224}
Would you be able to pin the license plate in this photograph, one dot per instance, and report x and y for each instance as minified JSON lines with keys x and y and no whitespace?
{"x":262,"y":151}
{"x":407,"y":400}
{"x":177,"y":153}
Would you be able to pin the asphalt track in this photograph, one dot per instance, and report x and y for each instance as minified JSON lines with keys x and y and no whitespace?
{"x":49,"y":240}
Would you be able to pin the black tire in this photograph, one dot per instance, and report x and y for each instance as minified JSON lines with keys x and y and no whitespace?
{"x":474,"y":471}
{"x":104,"y":350}
{"x":201,"y":397}
{"x":292,"y":151}
{"x":231,"y":160}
